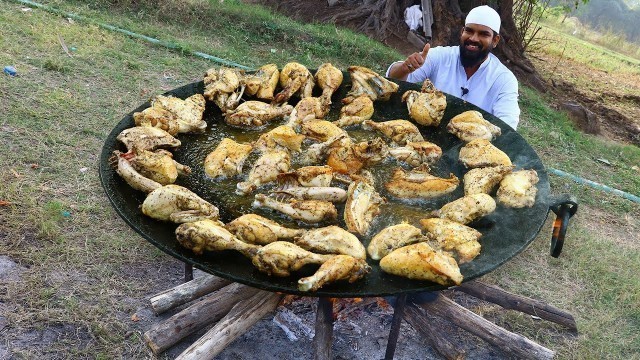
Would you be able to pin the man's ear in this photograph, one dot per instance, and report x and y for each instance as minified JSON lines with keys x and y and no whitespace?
{"x":496,"y":40}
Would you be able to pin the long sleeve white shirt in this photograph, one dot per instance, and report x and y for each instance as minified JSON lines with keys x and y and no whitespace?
{"x":492,"y":88}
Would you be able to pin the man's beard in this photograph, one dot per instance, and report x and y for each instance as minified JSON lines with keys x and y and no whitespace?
{"x":473,"y":58}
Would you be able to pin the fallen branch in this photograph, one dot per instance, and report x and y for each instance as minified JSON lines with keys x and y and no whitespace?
{"x":186,"y":292}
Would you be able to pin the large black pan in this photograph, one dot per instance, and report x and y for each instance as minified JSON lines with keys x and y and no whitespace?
{"x":506,"y":232}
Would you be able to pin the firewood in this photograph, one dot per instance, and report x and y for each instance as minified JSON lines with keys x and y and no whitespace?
{"x":520,"y":303}
{"x":186,"y":292}
{"x":438,"y":340}
{"x":511,"y":343}
{"x":241,"y":317}
{"x":323,"y":339}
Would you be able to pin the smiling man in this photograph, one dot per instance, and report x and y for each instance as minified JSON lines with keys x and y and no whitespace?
{"x":469,"y":71}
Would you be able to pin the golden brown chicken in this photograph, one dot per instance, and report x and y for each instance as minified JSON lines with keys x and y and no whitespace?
{"x":132,"y":177}
{"x":255,"y":229}
{"x":351,"y":158}
{"x":266,"y":169}
{"x":427,"y":106}
{"x":421,"y":262}
{"x":295,"y":79}
{"x":309,"y":211}
{"x":391,"y":238}
{"x":263,"y":82}
{"x":367,"y":82}
{"x":322,"y":130}
{"x":157,"y":166}
{"x":254,"y":114}
{"x":417,"y":153}
{"x":173,"y":114}
{"x":471,"y":125}
{"x":482,"y":153}
{"x":326,"y":193}
{"x":316,"y":153}
{"x":309,"y":176}
{"x":281,"y":137}
{"x":419,"y":183}
{"x":177,"y":204}
{"x":329,"y":78}
{"x":484,"y":180}
{"x":398,"y":131}
{"x":307,"y":109}
{"x":453,"y":236}
{"x":139,"y":138}
{"x":209,"y":235}
{"x":158,"y":117}
{"x":339,"y":267}
{"x":467,"y":209}
{"x":362,"y":206}
{"x":227,"y":159}
{"x":223,"y":86}
{"x":355,"y":112}
{"x":518,"y":189}
{"x":332,"y":240}
{"x":280,"y":258}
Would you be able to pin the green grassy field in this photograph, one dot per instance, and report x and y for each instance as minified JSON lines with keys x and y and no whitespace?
{"x":84,"y":271}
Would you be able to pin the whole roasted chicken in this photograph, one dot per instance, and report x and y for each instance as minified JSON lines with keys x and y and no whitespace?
{"x":255,"y":229}
{"x":280,"y":258}
{"x":173,"y":114}
{"x":177,"y":204}
{"x":367,"y":82}
{"x":391,"y":238}
{"x":421,"y":262}
{"x":471,"y":125}
{"x":453,"y":236}
{"x":209,"y":235}
{"x":339,"y":267}
{"x":332,"y":240}
{"x":398,"y":131}
{"x":227,"y":159}
{"x":518,"y":189}
{"x":427,"y":106}
{"x":420,"y":183}
{"x":295,"y":79}
{"x":309,"y":211}
{"x":224,"y":87}
{"x":263,"y":83}
{"x":362,"y":206}
{"x":254,"y":114}
{"x":482,"y":153}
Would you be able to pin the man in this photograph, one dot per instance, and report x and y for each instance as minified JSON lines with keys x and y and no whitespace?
{"x":470,"y":70}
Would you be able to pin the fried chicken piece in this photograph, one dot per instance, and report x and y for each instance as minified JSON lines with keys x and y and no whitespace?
{"x":227,"y":159}
{"x":421,"y":262}
{"x":482,"y":153}
{"x":308,"y":176}
{"x":263,"y":83}
{"x":419,"y":183}
{"x":471,"y":125}
{"x":332,"y":240}
{"x":139,"y":138}
{"x":398,"y":131}
{"x":484,"y":180}
{"x":280,"y":258}
{"x":339,"y":267}
{"x":223,"y":86}
{"x":362,"y":206}
{"x":326,"y":193}
{"x":177,"y":204}
{"x":367,"y":82}
{"x":417,"y":153}
{"x":209,"y":235}
{"x":157,"y":166}
{"x":295,"y":79}
{"x":467,"y":209}
{"x":391,"y":238}
{"x":281,"y":137}
{"x":453,"y":236}
{"x":355,"y":112}
{"x":255,"y":229}
{"x":266,"y":169}
{"x":307,"y":109}
{"x":173,"y":114}
{"x":351,"y":158}
{"x":309,"y":211}
{"x":322,"y":130}
{"x":329,"y":78}
{"x":254,"y":114}
{"x":427,"y":106}
{"x":518,"y":189}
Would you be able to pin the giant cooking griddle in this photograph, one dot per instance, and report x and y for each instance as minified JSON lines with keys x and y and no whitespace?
{"x":506,"y":232}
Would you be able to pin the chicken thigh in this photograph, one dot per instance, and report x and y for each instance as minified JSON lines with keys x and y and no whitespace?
{"x":484,"y":180}
{"x":308,"y":176}
{"x":471,"y":125}
{"x":223,"y":86}
{"x":481,"y":153}
{"x":255,"y":229}
{"x":295,"y":79}
{"x":140,"y":138}
{"x":391,"y":238}
{"x":177,"y":204}
{"x":419,"y":183}
{"x":339,"y":267}
{"x":307,"y":109}
{"x":209,"y":235}
{"x":417,"y":153}
{"x":398,"y":131}
{"x":227,"y":159}
{"x":332,"y":240}
{"x":467,"y":209}
{"x":266,"y":169}
{"x":282,"y":137}
{"x":367,"y":82}
{"x":187,"y":113}
{"x":453,"y":236}
{"x":362,"y":206}
{"x":518,"y":189}
{"x":427,"y":106}
{"x":280,"y":258}
{"x":355,"y":112}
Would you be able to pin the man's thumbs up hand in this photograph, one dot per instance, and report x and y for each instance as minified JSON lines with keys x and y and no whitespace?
{"x":415,"y":60}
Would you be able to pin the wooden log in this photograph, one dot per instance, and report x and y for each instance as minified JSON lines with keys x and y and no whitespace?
{"x":507,"y":300}
{"x":511,"y":343}
{"x":186,"y":292}
{"x":323,"y":339}
{"x":418,"y":319}
{"x":209,"y":310}
{"x":241,"y":317}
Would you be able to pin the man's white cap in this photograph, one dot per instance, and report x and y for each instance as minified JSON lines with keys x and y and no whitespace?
{"x":484,"y":15}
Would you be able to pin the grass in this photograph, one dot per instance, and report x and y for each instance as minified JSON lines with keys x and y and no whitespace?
{"x":85,"y":271}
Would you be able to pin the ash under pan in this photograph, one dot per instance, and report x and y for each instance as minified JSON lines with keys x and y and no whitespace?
{"x":506,"y":232}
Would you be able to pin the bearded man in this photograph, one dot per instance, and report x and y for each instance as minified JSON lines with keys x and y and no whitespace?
{"x":469,"y":70}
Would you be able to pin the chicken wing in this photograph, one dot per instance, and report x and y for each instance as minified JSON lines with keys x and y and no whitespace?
{"x":484,"y":180}
{"x":332,"y":240}
{"x":209,"y":235}
{"x":467,"y":209}
{"x":482,"y":153}
{"x":518,"y":189}
{"x":280,"y":258}
{"x":453,"y":236}
{"x":255,"y":229}
{"x":227,"y":159}
{"x":471,"y":125}
{"x":362,"y":206}
{"x":309,"y":211}
{"x":419,"y":183}
{"x":177,"y":204}
{"x":427,"y":106}
{"x":421,"y":262}
{"x":398,"y":131}
{"x":339,"y":267}
{"x":391,"y":238}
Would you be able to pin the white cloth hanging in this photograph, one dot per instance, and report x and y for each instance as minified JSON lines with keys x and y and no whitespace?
{"x":413,"y":17}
